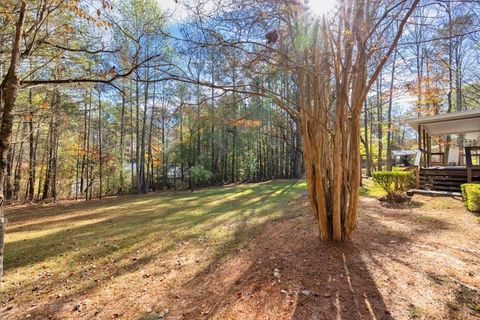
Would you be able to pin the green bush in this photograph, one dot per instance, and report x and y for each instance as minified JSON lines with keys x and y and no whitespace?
{"x":200,"y":175}
{"x":393,"y":182}
{"x":471,"y":195}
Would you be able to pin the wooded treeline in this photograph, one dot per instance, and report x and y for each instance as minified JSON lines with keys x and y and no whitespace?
{"x":88,"y":145}
{"x":145,"y":132}
{"x":141,"y":133}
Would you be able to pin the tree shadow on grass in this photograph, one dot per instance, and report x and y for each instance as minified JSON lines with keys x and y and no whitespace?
{"x":287,"y":274}
{"x":154,"y":230}
{"x":316,"y":280}
{"x":123,"y":225}
{"x":238,"y":282}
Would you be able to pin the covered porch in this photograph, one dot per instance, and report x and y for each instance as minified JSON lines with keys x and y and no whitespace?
{"x":441,"y":169}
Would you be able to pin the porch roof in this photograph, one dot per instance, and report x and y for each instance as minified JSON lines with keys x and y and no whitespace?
{"x":448,"y":123}
{"x":404,"y":152}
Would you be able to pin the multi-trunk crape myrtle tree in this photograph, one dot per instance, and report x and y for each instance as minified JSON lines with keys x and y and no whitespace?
{"x":319,"y":69}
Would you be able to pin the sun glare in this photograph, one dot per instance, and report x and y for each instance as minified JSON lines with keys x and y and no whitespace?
{"x":319,"y":7}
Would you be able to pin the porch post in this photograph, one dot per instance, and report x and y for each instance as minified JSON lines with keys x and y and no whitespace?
{"x":424,"y":147}
{"x":429,"y":150}
{"x":468,"y":163}
{"x":420,"y":139}
{"x":417,"y":176}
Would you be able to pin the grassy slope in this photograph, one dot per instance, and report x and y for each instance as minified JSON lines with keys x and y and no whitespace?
{"x":371,"y":190}
{"x":130,"y":255}
{"x":72,"y":248}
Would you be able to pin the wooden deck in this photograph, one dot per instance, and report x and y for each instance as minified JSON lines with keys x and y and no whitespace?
{"x":445,"y":180}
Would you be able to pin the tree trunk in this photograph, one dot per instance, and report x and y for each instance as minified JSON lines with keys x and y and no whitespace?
{"x":10,"y":163}
{"x":379,"y":123}
{"x":9,"y":90}
{"x":122,"y":141}
{"x":297,"y":152}
{"x":88,"y":171}
{"x":389,"y":124}
{"x":450,"y":78}
{"x":137,"y":129}
{"x":31,"y":160}
{"x":149,"y":180}
{"x":100,"y":159}
{"x":368,"y":158}
{"x":141,"y":173}
{"x":17,"y":176}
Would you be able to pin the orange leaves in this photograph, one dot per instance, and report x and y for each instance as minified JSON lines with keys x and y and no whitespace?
{"x":111,"y":73}
{"x":75,"y":147}
{"x":44,"y":105}
{"x":245,"y":123}
{"x":103,"y":23}
{"x":67,"y":28}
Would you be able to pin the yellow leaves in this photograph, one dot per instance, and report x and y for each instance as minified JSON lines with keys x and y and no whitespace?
{"x":74,"y":146}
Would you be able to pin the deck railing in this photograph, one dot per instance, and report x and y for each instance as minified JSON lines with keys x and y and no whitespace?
{"x":472,"y":160}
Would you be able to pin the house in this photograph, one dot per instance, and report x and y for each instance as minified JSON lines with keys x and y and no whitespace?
{"x":440,"y":169}
{"x":403,"y":158}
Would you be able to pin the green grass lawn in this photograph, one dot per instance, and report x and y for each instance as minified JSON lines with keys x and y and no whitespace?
{"x":130,"y":257}
{"x":371,"y":189}
{"x":51,"y":249}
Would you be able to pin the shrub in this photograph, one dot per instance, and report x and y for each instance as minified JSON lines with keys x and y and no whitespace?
{"x":200,"y":175}
{"x":471,"y":195}
{"x":393,"y":182}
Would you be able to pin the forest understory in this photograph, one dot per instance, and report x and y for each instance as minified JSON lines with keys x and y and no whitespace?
{"x":247,"y":251}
